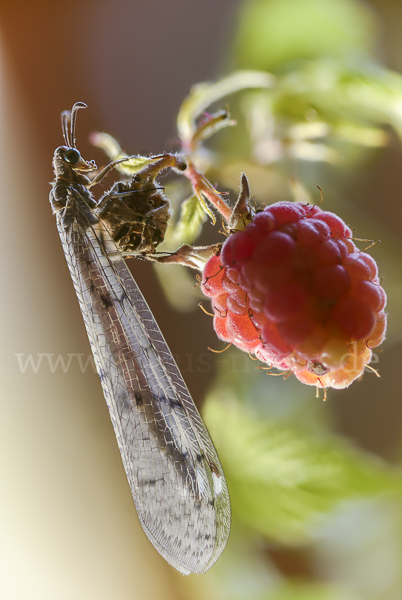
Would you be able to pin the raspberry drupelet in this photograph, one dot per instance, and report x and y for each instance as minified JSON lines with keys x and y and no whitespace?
{"x":293,"y":289}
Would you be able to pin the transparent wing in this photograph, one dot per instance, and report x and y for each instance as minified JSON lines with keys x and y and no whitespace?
{"x":174,"y":473}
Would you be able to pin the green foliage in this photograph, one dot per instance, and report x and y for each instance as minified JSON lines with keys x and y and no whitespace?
{"x":358,"y":92}
{"x":273,"y":33}
{"x":286,"y":476}
{"x":310,"y":591}
{"x":321,"y":112}
{"x":203,"y":95}
{"x":189,"y":224}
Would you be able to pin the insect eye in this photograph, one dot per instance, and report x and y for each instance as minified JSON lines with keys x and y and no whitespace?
{"x":72,"y":156}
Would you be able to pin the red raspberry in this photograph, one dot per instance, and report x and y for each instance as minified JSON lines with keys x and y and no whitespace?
{"x":294,"y":290}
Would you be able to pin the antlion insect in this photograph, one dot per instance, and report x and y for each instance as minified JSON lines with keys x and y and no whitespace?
{"x":174,"y":473}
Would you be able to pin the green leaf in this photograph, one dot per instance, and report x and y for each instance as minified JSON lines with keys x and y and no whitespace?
{"x":113,"y":150}
{"x":203,"y":95}
{"x":272,"y":33}
{"x":188,"y":227}
{"x":311,"y":591}
{"x":284,"y":477}
{"x":360,"y":93}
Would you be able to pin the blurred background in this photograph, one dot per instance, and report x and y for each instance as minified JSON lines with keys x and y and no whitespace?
{"x":316,"y":487}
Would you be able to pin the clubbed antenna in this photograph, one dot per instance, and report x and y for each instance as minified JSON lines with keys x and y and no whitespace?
{"x":65,"y":127}
{"x":76,"y":107}
{"x":68,"y":119}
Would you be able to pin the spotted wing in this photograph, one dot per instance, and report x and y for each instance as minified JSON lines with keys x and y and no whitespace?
{"x":174,"y":473}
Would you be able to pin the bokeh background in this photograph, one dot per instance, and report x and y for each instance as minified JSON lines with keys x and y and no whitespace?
{"x":316,"y":488}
